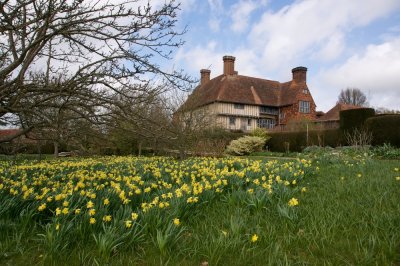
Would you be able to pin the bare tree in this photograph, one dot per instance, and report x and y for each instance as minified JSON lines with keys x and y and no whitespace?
{"x":142,"y":123}
{"x":101,"y":49}
{"x":353,"y":96}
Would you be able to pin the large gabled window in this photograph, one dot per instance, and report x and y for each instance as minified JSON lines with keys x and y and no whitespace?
{"x":304,"y":107}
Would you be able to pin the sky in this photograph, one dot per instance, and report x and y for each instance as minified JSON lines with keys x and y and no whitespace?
{"x":343,"y":43}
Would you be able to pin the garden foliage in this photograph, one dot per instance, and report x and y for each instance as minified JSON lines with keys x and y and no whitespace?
{"x":355,"y":118}
{"x":245,"y":145}
{"x":125,"y":204}
{"x":297,"y":140}
{"x":385,"y":129}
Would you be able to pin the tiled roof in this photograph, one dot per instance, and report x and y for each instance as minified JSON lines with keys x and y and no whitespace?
{"x":334,"y":113}
{"x":244,"y":90}
{"x":15,"y":134}
{"x":4,"y":133}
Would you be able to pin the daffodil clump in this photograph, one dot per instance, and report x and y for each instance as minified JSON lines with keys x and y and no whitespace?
{"x":122,"y":191}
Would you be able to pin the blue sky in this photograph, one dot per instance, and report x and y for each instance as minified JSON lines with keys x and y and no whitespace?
{"x":342,"y":43}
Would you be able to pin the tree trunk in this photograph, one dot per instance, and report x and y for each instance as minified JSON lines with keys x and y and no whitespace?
{"x":39,"y":152}
{"x":55,"y":149}
{"x":140,"y":149}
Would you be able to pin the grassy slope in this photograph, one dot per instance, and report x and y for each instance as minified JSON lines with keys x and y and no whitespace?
{"x":354,"y":221}
{"x":350,"y":221}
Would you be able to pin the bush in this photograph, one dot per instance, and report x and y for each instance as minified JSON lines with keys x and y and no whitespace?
{"x":245,"y":145}
{"x":297,"y":141}
{"x":358,"y":137}
{"x":385,"y":129}
{"x":355,"y":118}
{"x":259,"y":132}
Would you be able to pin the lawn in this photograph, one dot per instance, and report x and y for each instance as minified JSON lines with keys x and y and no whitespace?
{"x":332,"y":210}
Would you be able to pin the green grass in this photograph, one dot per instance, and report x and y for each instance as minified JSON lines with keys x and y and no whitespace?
{"x":342,"y":219}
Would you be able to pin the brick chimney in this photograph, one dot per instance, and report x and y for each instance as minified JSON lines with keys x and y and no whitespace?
{"x":205,"y":76}
{"x":229,"y":65}
{"x":299,"y":74}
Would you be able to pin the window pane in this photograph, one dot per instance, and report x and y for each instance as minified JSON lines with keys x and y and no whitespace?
{"x":304,"y":107}
{"x":266,"y":123}
{"x":238,"y":106}
{"x":268,"y":110}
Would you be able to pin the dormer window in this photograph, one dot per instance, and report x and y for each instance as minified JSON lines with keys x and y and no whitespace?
{"x":305,"y":91}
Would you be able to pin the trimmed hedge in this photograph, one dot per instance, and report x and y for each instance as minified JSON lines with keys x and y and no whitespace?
{"x":297,"y":140}
{"x":355,"y":118}
{"x":385,"y":129}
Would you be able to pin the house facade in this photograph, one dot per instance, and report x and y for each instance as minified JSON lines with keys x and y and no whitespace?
{"x":238,"y":102}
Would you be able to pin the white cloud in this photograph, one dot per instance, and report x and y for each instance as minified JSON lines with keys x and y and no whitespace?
{"x":375,"y":71}
{"x":216,"y":11}
{"x":200,"y":57}
{"x":214,"y":24}
{"x":215,"y":5}
{"x":240,"y":14}
{"x":333,"y":47}
{"x":306,"y":28}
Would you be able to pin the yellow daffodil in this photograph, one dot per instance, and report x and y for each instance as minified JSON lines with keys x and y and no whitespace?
{"x":128,"y":224}
{"x":65,"y":211}
{"x":42,"y":207}
{"x":106,"y":201}
{"x":107,"y":218}
{"x":92,"y":212}
{"x":176,"y":222}
{"x":293,"y":202}
{"x":89,"y":204}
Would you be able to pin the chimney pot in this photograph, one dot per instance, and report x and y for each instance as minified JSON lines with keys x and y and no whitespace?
{"x":205,"y":76}
{"x":229,"y":65}
{"x":299,"y":74}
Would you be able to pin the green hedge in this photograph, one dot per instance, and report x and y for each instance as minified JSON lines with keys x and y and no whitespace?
{"x":385,"y":129}
{"x":355,"y":118}
{"x":298,"y":140}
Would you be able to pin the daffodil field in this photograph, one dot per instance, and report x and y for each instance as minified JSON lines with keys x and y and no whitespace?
{"x":129,"y":210}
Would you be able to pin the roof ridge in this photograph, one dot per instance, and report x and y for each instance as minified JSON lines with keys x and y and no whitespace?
{"x":257,"y":98}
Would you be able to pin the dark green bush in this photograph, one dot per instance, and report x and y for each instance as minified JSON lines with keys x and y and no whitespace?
{"x":297,"y":140}
{"x":355,"y":118}
{"x":385,"y":129}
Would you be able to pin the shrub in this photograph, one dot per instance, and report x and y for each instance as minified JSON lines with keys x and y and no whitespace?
{"x":358,"y":137}
{"x":385,"y":129}
{"x":297,"y":140}
{"x":245,"y":145}
{"x":355,"y":118}
{"x":261,"y":133}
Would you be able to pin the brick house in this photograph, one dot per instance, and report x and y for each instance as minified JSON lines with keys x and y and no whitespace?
{"x":238,"y":102}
